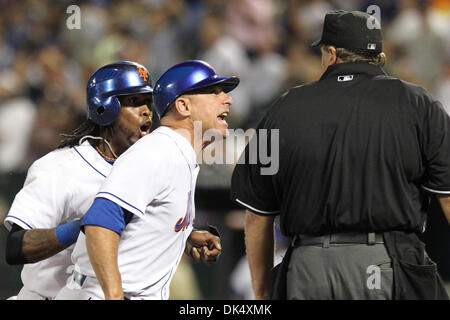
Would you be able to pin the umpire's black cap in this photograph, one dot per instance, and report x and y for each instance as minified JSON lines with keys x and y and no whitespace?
{"x":353,"y":30}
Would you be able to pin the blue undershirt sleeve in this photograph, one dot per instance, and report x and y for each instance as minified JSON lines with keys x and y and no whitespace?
{"x":107,"y":214}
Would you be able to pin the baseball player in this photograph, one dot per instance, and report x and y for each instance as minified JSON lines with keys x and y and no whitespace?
{"x":59,"y":187}
{"x":141,"y":221}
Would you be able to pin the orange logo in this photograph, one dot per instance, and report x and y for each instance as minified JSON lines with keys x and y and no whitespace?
{"x":142,"y":73}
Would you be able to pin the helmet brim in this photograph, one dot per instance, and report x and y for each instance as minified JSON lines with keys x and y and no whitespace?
{"x":132,"y":90}
{"x":316,"y":43}
{"x":226,"y":83}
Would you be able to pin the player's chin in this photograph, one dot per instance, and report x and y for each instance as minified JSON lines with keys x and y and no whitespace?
{"x":222,"y":128}
{"x":133,"y":139}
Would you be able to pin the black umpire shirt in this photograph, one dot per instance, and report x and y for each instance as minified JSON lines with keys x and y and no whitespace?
{"x":358,"y":151}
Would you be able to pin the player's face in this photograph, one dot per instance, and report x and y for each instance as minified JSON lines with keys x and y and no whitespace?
{"x":134,"y":122}
{"x":211,"y":106}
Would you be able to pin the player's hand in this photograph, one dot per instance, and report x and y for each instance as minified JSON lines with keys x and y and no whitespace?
{"x":203,"y":247}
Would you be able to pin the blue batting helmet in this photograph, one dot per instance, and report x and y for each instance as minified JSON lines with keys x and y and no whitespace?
{"x":111,"y":81}
{"x":184,"y":77}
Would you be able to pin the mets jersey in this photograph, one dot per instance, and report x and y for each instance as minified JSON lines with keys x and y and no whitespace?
{"x":59,"y":188}
{"x":155,"y":181}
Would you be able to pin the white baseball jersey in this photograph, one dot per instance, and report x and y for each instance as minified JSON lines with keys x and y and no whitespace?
{"x":59,"y":188}
{"x":155,"y":180}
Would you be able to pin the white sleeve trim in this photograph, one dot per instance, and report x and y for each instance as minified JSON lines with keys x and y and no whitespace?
{"x":256,"y":210}
{"x":9,"y":220}
{"x":121,"y":203}
{"x":436,"y":191}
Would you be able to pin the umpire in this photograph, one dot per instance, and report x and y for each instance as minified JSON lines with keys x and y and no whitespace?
{"x":360,"y":155}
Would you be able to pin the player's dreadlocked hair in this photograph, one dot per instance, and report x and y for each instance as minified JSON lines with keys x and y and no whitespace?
{"x":87,"y":128}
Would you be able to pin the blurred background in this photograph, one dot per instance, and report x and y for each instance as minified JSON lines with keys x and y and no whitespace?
{"x":44,"y":67}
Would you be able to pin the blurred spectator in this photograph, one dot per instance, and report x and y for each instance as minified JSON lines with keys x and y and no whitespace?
{"x":303,"y":66}
{"x":95,"y":24}
{"x":16,"y":124}
{"x":268,"y":73}
{"x":305,"y":18}
{"x":184,"y":285}
{"x":424,"y":41}
{"x":251,"y":22}
{"x":229,"y":57}
{"x":17,"y":113}
{"x":240,"y":279}
{"x":443,"y":88}
{"x":164,"y":36}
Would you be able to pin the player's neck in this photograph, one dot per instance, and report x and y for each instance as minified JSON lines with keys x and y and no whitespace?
{"x":185,"y":129}
{"x":105,"y":150}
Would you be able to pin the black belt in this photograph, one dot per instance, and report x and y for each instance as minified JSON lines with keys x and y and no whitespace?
{"x":370,"y":238}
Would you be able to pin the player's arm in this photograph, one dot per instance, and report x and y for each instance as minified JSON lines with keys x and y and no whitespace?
{"x":259,"y":241}
{"x":102,"y":247}
{"x":103,"y":225}
{"x":444,"y":200}
{"x":29,"y":246}
{"x":203,"y":246}
{"x":35,"y":215}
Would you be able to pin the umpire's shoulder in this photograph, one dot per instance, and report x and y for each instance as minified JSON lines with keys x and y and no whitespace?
{"x":415,"y":92}
{"x":296,"y":94}
{"x":289,"y":98}
{"x":416,"y":98}
{"x":303,"y":87}
{"x":303,"y":91}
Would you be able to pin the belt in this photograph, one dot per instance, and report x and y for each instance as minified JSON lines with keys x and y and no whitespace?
{"x":370,"y":238}
{"x":81,"y":278}
{"x":78,"y":278}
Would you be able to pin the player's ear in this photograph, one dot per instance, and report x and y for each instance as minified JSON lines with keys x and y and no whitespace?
{"x":183,"y":106}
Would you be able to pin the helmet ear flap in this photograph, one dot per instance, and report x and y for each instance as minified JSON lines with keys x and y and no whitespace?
{"x":104,"y":112}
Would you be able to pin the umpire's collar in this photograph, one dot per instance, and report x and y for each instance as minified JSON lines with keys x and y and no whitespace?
{"x":352,"y":68}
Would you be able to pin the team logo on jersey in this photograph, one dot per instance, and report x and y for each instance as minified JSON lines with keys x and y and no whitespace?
{"x":183,"y":223}
{"x":142,"y":73}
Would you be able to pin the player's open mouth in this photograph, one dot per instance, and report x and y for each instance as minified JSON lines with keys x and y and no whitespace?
{"x":222,"y":118}
{"x":145,"y":129}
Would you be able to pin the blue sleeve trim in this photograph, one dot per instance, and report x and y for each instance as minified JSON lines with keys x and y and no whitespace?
{"x":106,"y":214}
{"x":127,"y":216}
